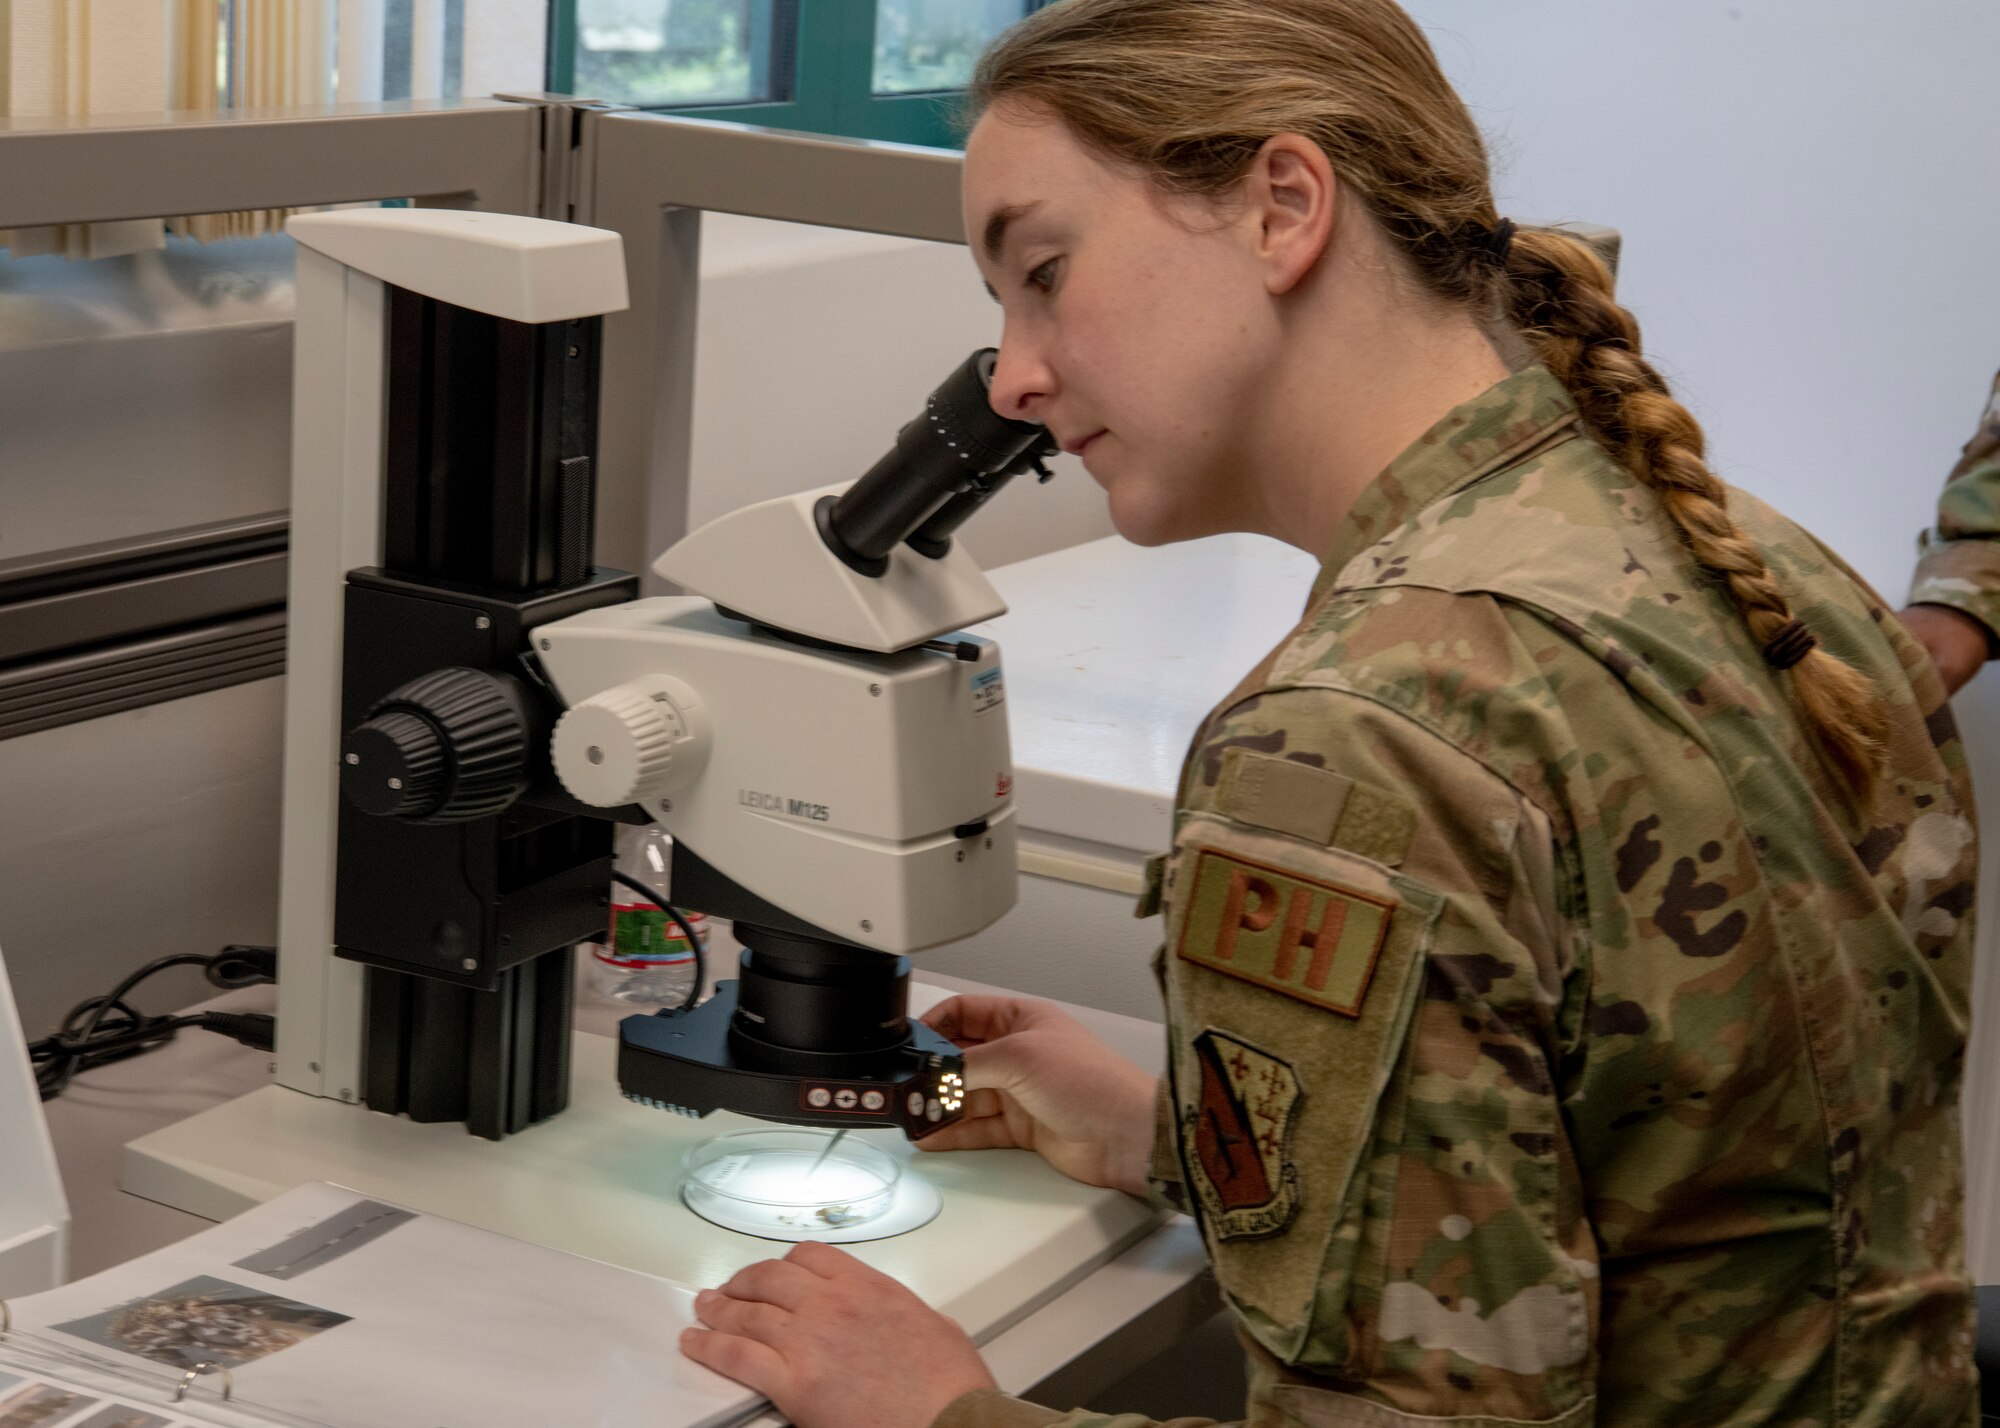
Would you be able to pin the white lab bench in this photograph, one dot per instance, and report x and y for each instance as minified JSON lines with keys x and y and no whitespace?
{"x":1093,"y":1331}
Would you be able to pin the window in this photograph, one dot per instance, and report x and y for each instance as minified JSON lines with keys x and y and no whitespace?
{"x":928,"y":45}
{"x":872,"y":69}
{"x":665,"y":53}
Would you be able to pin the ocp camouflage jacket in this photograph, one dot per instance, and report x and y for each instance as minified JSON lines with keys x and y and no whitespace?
{"x":1550,"y":1041}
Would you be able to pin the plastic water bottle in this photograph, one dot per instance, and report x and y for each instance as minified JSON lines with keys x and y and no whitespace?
{"x":645,"y":959}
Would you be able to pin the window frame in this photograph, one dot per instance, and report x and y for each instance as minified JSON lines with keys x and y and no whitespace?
{"x":833,"y":87}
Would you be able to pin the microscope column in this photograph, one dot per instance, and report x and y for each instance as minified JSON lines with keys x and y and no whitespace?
{"x":466,"y":919}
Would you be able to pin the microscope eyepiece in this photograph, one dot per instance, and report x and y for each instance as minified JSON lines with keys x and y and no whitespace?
{"x":945,"y":465}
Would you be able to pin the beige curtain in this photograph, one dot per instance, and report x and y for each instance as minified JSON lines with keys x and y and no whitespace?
{"x":279,"y":53}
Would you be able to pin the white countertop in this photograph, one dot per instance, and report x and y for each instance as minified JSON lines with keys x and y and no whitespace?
{"x":1111,"y":1318}
{"x":1114,"y":653}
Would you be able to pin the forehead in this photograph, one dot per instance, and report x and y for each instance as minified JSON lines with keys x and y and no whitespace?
{"x":1016,"y":158}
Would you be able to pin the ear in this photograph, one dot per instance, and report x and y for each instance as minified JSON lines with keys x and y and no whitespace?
{"x":1291,"y":195}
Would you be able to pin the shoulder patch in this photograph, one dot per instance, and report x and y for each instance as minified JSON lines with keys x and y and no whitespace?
{"x":1317,"y":805}
{"x":1300,"y":937}
{"x":1240,"y":1130}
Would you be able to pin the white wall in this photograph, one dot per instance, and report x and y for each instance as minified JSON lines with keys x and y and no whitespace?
{"x":1810,"y":196}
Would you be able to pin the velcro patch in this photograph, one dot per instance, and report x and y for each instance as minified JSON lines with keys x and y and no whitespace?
{"x":1303,"y":938}
{"x":1240,"y":1134}
{"x":1317,"y":805}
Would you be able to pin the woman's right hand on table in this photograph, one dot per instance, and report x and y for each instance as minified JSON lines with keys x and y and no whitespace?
{"x":1038,"y":1081}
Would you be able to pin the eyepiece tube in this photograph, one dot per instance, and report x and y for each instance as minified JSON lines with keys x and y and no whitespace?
{"x":950,"y":453}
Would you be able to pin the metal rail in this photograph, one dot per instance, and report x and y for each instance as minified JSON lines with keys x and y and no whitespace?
{"x":466,"y":154}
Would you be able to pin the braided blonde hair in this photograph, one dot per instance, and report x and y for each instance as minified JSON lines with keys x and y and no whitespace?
{"x":1186,"y":92}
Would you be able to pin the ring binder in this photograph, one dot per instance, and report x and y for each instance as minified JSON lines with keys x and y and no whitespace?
{"x":228,"y":1384}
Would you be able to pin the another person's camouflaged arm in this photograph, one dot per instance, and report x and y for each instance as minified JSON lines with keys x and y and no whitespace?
{"x":1367,"y":985}
{"x":1959,"y":564}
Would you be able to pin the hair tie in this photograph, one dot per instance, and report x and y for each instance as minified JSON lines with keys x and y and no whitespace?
{"x":1496,"y":243}
{"x":1790,"y":645}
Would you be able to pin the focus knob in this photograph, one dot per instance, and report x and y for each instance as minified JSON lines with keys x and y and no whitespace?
{"x":630,"y":744}
{"x":445,"y":748}
{"x":393,"y":766}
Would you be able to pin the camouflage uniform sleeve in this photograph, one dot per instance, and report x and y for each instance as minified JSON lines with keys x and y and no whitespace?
{"x":989,"y":1408}
{"x":1959,"y":560}
{"x":1369,"y":969}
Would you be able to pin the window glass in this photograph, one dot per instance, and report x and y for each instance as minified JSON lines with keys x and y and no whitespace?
{"x":927,"y":45}
{"x":660,"y":52}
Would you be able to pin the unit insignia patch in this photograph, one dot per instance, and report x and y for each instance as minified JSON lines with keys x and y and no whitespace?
{"x":1239,"y":1131}
{"x":1311,"y":940}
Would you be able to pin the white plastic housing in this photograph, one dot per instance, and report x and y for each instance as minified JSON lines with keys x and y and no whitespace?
{"x":34,"y":1213}
{"x":834,"y":779}
{"x":767,"y":561}
{"x":522,"y":269}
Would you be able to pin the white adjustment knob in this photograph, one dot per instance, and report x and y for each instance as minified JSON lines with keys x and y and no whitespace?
{"x":622,"y":746}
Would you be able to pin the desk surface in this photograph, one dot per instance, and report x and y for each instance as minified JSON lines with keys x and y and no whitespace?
{"x":1154,"y":1293}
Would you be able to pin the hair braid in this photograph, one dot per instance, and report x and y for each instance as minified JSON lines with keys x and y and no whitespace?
{"x":1558,"y":294}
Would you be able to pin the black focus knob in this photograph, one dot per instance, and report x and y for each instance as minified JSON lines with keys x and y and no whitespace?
{"x":445,"y":748}
{"x":393,"y":766}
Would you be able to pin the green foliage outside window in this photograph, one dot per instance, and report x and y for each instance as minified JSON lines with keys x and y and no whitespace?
{"x":871,"y":69}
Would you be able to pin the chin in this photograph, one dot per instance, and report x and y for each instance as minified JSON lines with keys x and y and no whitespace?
{"x":1141,"y":524}
{"x":1144,"y":518}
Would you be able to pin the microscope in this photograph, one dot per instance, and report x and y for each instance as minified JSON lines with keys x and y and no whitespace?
{"x":809,"y":722}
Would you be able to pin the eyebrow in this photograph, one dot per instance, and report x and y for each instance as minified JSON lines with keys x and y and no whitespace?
{"x":995,"y":238}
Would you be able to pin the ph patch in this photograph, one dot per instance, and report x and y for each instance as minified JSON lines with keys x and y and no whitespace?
{"x":1303,"y":938}
{"x":1238,"y":1134}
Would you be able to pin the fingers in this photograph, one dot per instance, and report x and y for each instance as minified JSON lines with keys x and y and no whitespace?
{"x":1004,"y":1065}
{"x":744,"y":1318}
{"x":756,"y":1366}
{"x":971,"y":1019}
{"x":953,"y":1020}
{"x":984,"y":1133}
{"x":773,"y":1281}
{"x":823,"y":1260}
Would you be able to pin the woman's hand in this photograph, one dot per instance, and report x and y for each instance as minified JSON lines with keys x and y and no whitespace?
{"x":1038,"y":1081}
{"x":833,"y":1343}
{"x":1957,"y":643}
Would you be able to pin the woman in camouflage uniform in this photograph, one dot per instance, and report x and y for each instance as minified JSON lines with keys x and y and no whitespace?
{"x":1568,"y":924}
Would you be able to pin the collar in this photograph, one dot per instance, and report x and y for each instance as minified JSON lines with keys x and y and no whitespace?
{"x":1504,"y":423}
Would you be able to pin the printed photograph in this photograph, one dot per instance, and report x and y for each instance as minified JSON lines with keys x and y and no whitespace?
{"x":204,"y":1320}
{"x":123,"y":1415}
{"x":40,"y":1404}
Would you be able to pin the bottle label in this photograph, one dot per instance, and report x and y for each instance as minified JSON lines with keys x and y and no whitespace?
{"x":644,"y":936}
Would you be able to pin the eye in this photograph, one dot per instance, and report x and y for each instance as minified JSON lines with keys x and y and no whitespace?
{"x":1043,"y":278}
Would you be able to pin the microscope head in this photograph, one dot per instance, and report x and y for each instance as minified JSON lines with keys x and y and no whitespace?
{"x":831,"y":757}
{"x":872,"y":565}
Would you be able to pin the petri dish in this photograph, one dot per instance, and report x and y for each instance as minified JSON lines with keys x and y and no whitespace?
{"x":763,"y":1182}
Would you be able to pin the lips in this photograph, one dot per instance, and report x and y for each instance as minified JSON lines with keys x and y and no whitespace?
{"x":1078,"y":447}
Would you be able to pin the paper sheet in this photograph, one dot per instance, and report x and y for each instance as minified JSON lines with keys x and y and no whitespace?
{"x":392,"y":1320}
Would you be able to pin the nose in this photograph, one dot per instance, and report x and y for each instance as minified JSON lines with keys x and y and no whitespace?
{"x":1023,"y":382}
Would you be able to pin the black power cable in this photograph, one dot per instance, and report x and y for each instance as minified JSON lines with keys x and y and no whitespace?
{"x":101,"y":1030}
{"x":693,"y":942}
